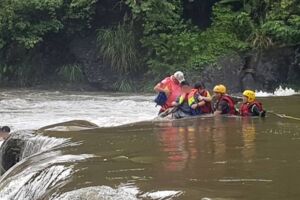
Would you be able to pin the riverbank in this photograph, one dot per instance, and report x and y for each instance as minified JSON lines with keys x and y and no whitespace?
{"x":257,"y":70}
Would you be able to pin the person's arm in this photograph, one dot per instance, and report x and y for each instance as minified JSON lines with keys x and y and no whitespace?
{"x":223,"y":108}
{"x":208,"y":98}
{"x":256,"y":112}
{"x":161,"y":87}
{"x":217,"y":113}
{"x":195,"y":104}
{"x":176,"y":102}
{"x":198,"y":104}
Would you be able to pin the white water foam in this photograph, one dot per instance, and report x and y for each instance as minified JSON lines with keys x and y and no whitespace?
{"x":122,"y":192}
{"x":33,"y":182}
{"x":278,"y":92}
{"x":32,"y":109}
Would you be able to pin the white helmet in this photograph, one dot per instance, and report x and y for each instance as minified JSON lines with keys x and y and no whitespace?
{"x":179,"y":76}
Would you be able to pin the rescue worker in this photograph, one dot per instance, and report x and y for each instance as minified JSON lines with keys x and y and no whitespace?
{"x":200,"y":100}
{"x":182,"y":102}
{"x":250,"y":106}
{"x":170,"y":87}
{"x":225,"y":103}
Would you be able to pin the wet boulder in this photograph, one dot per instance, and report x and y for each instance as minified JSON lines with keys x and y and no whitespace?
{"x":22,"y":144}
{"x":12,"y":148}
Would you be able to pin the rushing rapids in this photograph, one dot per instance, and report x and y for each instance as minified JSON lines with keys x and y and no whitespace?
{"x":198,"y":158}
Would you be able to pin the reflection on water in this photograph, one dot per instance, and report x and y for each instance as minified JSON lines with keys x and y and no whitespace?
{"x":228,"y":157}
{"x":183,"y":145}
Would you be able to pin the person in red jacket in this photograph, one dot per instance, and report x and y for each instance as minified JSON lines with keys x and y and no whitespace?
{"x":225,"y":103}
{"x":171,"y":87}
{"x":250,"y":106}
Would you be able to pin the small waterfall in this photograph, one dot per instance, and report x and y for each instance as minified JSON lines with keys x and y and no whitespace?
{"x":40,"y":143}
{"x":22,"y":144}
{"x":46,"y":173}
{"x":35,"y":165}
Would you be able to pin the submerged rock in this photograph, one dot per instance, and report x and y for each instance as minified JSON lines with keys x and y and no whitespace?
{"x":74,"y":125}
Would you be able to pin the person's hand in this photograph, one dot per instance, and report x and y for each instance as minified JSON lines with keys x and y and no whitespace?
{"x":200,"y":98}
{"x":262,"y":113}
{"x":194,"y":106}
{"x":167,"y":91}
{"x":174,"y":103}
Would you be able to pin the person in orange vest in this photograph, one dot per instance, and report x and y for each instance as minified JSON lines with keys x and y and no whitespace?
{"x":225,"y":103}
{"x":250,"y":106}
{"x":200,"y":100}
{"x":170,"y":87}
{"x":182,"y":102}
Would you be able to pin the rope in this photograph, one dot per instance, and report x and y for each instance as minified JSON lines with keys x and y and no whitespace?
{"x":284,"y":116}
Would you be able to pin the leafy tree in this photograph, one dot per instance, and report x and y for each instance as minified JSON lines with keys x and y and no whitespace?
{"x":27,"y":22}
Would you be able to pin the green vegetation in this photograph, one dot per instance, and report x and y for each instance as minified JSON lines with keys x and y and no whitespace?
{"x":149,"y":36}
{"x":71,"y":73}
{"x":27,"y":22}
{"x":118,"y":47}
{"x":123,"y":86}
{"x":174,"y":43}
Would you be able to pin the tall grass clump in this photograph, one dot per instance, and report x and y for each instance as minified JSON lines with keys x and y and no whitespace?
{"x":71,"y":73}
{"x":118,"y":48}
{"x":123,"y":86}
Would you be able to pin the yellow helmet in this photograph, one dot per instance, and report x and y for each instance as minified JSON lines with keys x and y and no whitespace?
{"x":250,"y":95}
{"x":220,"y":89}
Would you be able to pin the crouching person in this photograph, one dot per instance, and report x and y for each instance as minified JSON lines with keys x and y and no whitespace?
{"x":250,"y":106}
{"x":182,"y":102}
{"x":200,"y":100}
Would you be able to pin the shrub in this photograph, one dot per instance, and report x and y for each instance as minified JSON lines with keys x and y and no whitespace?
{"x":123,"y":86}
{"x":71,"y":73}
{"x":118,"y":47}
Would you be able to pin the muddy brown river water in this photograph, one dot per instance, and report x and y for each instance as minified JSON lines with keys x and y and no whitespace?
{"x":201,"y":158}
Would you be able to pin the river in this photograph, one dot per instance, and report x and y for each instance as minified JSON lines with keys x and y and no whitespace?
{"x":133,"y":157}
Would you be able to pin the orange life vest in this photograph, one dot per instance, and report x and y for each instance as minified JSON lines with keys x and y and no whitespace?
{"x":207,"y":107}
{"x":203,"y":109}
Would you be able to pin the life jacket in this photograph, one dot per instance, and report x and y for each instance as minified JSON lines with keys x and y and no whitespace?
{"x":230,"y":102}
{"x":207,"y":107}
{"x":191,"y":97}
{"x":203,"y":109}
{"x":174,"y":90}
{"x":192,"y":100}
{"x":182,"y":98}
{"x":245,"y":109}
